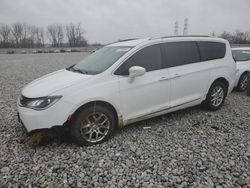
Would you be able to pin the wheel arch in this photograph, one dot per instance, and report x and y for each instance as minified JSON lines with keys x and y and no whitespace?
{"x":223,"y":80}
{"x":106,"y":104}
{"x":245,"y":72}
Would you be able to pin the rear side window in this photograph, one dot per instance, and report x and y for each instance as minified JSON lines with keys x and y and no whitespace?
{"x":148,"y":58}
{"x":180,"y":53}
{"x":211,"y":50}
{"x":241,"y":55}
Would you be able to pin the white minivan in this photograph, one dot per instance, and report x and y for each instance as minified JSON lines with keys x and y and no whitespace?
{"x":129,"y":81}
{"x":242,"y":58}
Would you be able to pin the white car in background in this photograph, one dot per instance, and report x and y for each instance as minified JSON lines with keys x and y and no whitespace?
{"x":242,"y":58}
{"x":129,"y":81}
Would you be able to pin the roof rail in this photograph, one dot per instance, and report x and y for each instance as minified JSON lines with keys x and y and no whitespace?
{"x":124,"y":40}
{"x":121,"y":40}
{"x":181,"y":36}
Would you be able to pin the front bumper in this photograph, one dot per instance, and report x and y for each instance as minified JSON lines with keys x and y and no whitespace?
{"x":54,"y":116}
{"x":20,"y":121}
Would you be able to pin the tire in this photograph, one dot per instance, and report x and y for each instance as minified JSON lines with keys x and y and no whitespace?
{"x":91,"y":123}
{"x":243,"y":82}
{"x":210,"y":102}
{"x":248,"y":88}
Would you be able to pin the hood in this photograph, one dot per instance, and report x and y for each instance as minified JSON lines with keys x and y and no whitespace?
{"x":52,"y":82}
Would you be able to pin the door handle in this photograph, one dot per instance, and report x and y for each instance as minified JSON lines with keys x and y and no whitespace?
{"x":164,"y":78}
{"x":169,"y":78}
{"x":176,"y":76}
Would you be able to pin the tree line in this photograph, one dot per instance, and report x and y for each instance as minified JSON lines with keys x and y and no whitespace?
{"x":22,"y":35}
{"x":238,"y":37}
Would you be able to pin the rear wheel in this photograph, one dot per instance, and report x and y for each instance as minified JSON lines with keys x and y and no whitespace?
{"x":216,"y":96}
{"x":93,"y":125}
{"x":243,"y":82}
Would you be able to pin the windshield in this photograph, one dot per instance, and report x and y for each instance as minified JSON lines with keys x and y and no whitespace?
{"x":241,"y":55}
{"x":100,"y":60}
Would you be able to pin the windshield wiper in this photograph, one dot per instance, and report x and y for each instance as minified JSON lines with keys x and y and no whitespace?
{"x":79,"y":70}
{"x":69,"y":68}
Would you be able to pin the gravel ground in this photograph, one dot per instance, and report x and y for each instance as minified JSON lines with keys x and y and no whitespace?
{"x":189,"y":148}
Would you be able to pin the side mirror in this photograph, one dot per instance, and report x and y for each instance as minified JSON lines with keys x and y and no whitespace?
{"x":136,"y":71}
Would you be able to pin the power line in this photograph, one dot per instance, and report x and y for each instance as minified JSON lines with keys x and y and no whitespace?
{"x":176,"y":28}
{"x":185,"y":28}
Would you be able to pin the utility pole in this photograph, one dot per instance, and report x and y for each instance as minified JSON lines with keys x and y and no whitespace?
{"x":185,"y":29}
{"x":176,"y":27}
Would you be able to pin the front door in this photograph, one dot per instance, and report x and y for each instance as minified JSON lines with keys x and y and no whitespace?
{"x":145,"y":94}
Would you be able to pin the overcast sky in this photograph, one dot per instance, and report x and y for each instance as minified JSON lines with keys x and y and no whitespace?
{"x":108,"y":20}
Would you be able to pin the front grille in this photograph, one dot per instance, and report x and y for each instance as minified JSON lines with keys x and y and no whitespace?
{"x":24,"y":100}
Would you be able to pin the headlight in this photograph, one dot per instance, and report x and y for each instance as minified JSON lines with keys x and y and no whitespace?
{"x":42,"y":103}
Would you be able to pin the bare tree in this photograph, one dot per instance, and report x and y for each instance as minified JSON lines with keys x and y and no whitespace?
{"x":59,"y":34}
{"x":226,"y":35}
{"x":28,"y":36}
{"x":70,"y":33}
{"x":238,"y":37}
{"x":55,"y":34}
{"x":74,"y":33}
{"x":26,"y":40}
{"x":41,"y":36}
{"x":17,"y":31}
{"x":5,"y":33}
{"x":51,"y":33}
{"x":32,"y":37}
{"x":22,"y":35}
{"x":38,"y":37}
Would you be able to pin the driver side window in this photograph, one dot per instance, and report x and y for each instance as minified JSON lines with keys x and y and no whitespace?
{"x":149,"y":58}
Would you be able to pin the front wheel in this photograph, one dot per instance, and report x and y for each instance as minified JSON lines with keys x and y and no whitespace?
{"x":93,"y":125}
{"x":243,"y":82}
{"x":216,"y":96}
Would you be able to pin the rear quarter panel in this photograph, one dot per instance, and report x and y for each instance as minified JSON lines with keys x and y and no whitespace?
{"x":225,"y":68}
{"x":242,"y":66}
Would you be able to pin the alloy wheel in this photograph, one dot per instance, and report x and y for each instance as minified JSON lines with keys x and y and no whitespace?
{"x":217,"y":96}
{"x":244,"y":82}
{"x":95,"y":127}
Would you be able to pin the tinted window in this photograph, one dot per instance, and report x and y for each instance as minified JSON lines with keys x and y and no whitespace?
{"x":181,"y":53}
{"x":211,"y":50}
{"x":241,"y":55}
{"x":149,"y":58}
